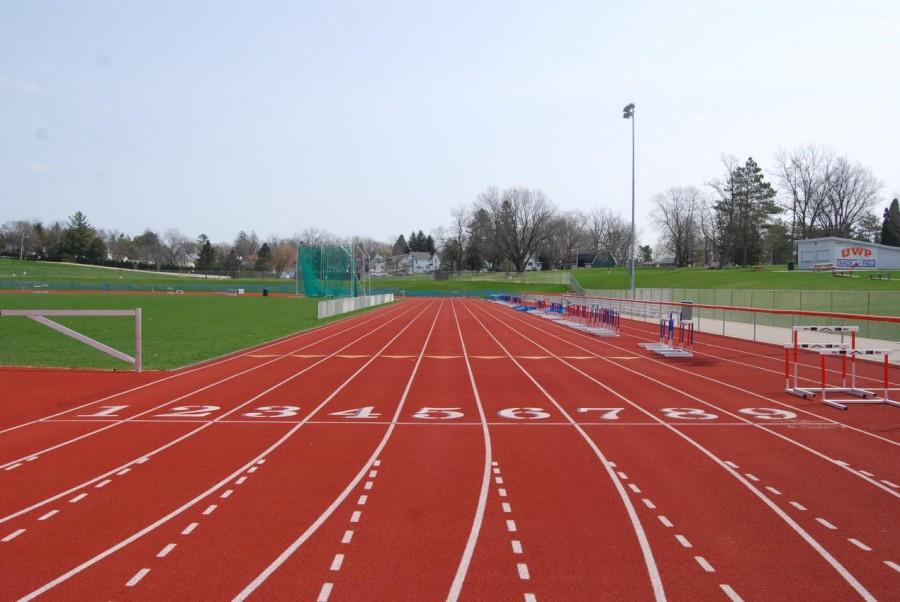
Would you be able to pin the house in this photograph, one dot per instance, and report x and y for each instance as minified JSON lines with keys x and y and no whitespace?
{"x":532,"y":264}
{"x":377,"y":267}
{"x":416,"y":262}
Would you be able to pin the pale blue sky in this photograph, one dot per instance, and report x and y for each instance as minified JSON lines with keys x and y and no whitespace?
{"x":374,"y":118}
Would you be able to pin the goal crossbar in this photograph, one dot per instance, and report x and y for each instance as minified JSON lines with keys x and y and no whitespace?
{"x":41,"y":316}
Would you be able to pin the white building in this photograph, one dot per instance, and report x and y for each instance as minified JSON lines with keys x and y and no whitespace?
{"x":377,"y":267}
{"x":846,"y":254}
{"x":416,"y":262}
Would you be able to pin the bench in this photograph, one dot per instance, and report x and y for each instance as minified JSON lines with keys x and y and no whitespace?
{"x":823,"y":267}
{"x":842,"y":273}
{"x":879,"y":276}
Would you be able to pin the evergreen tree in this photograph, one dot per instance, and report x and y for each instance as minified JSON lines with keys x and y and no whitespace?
{"x":429,"y":245}
{"x":400,"y":247}
{"x":263,"y":258}
{"x":231,"y":264}
{"x":890,"y":228}
{"x":78,"y":240}
{"x":206,"y":260}
{"x":746,"y":204}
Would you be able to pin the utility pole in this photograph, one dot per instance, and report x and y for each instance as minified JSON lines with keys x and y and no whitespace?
{"x":628,"y":113}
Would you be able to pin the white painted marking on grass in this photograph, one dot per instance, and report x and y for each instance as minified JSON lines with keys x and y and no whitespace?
{"x":501,"y":492}
{"x":511,"y":526}
{"x":324,"y":592}
{"x":825,"y":523}
{"x":773,"y":490}
{"x":252,"y":469}
{"x":648,"y":503}
{"x":103,"y":483}
{"x":137,"y":578}
{"x":13,"y":466}
{"x":210,"y":509}
{"x":337,"y":562}
{"x":890,"y":484}
{"x":732,"y":464}
{"x":348,"y":536}
{"x":13,"y":535}
{"x":78,"y":498}
{"x":354,"y":518}
{"x":123,"y":472}
{"x":506,"y":507}
{"x":376,"y":463}
{"x":798,"y":506}
{"x":893,"y":565}
{"x":48,"y":515}
{"x":751,"y":477}
{"x":732,"y":595}
{"x":683,"y":541}
{"x":859,"y":544}
{"x":634,"y":487}
{"x":516,"y":546}
{"x":622,"y":475}
{"x":368,"y":485}
{"x":189,"y":529}
{"x":362,"y":500}
{"x":523,"y":571}
{"x":165,"y":551}
{"x":226,"y":494}
{"x":703,"y":563}
{"x":665,"y":521}
{"x":240,"y":481}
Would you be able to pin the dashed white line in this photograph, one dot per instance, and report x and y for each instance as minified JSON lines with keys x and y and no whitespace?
{"x":613,"y":464}
{"x":825,"y":523}
{"x":368,"y":485}
{"x":210,"y":509}
{"x":252,"y":469}
{"x":376,"y":463}
{"x":683,"y":541}
{"x":354,"y":518}
{"x":523,"y":571}
{"x":227,"y":493}
{"x":732,"y":595}
{"x":634,"y":487}
{"x":348,"y":536}
{"x":324,"y":592}
{"x":798,"y":505}
{"x":530,"y":598}
{"x":337,"y":562}
{"x":731,"y":464}
{"x":189,"y":529}
{"x":773,"y":490}
{"x":141,"y":460}
{"x":859,"y":544}
{"x":890,"y":484}
{"x":13,"y":535}
{"x":32,"y":458}
{"x":498,"y":480}
{"x":751,"y":477}
{"x":48,"y":515}
{"x":495,"y":463}
{"x":78,"y":498}
{"x":622,"y":475}
{"x":893,"y":565}
{"x":165,"y":551}
{"x":373,"y":474}
{"x":648,"y":503}
{"x":703,"y":563}
{"x":103,"y":483}
{"x":240,"y":481}
{"x":13,"y":466}
{"x":137,"y":578}
{"x":516,"y":546}
{"x":501,"y":492}
{"x":263,"y":461}
{"x":867,"y":473}
{"x":511,"y":526}
{"x":665,"y":521}
{"x":495,"y":470}
{"x":123,"y":472}
{"x":362,"y":500}
{"x":506,"y":507}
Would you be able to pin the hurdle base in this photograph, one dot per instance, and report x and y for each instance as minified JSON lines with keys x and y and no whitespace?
{"x":859,"y":393}
{"x":800,"y":393}
{"x":846,"y":403}
{"x":666,"y":350}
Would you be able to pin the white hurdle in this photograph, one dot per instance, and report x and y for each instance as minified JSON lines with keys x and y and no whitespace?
{"x":843,"y":404}
{"x":41,"y":317}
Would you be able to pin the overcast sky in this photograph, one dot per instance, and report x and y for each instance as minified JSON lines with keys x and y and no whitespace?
{"x":375,"y":118}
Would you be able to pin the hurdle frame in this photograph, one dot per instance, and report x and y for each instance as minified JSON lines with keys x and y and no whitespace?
{"x":832,"y":348}
{"x":41,"y":316}
{"x":844,"y":404}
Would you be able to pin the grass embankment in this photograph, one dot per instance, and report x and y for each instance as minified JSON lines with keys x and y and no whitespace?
{"x":177,"y":329}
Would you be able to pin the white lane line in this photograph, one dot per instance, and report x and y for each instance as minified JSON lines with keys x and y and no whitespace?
{"x":890,"y":484}
{"x":751,"y":477}
{"x":103,"y":483}
{"x":348,"y":536}
{"x":501,"y":492}
{"x":732,"y":595}
{"x":324,"y":592}
{"x":732,"y":464}
{"x":210,"y":509}
{"x":376,"y":463}
{"x":13,"y":466}
{"x":622,"y":475}
{"x":13,"y":535}
{"x":227,"y":493}
{"x":362,"y":500}
{"x":798,"y":505}
{"x":523,"y":571}
{"x":495,"y":470}
{"x":495,"y":463}
{"x":516,"y":546}
{"x":337,"y":562}
{"x":634,"y":487}
{"x":683,"y":541}
{"x":123,"y":472}
{"x":665,"y":521}
{"x":825,"y":523}
{"x":867,"y":473}
{"x":893,"y":565}
{"x":530,"y":598}
{"x":859,"y":544}
{"x":611,"y":463}
{"x":511,"y":526}
{"x":842,"y":463}
{"x":498,"y":480}
{"x":368,"y":485}
{"x":648,"y":503}
{"x":262,"y":461}
{"x":354,"y":518}
{"x":506,"y":507}
{"x":773,"y":490}
{"x":78,"y":498}
{"x":703,"y":563}
{"x":48,"y":515}
{"x":189,"y":529}
{"x":137,"y":578}
{"x":165,"y":551}
{"x":373,"y":474}
{"x":252,"y":469}
{"x":240,"y":481}
{"x":141,"y":460}
{"x":31,"y":458}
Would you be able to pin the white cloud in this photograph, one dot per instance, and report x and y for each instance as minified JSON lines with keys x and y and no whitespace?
{"x":38,"y":167}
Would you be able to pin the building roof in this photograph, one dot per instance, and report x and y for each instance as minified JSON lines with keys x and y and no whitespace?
{"x":847,"y":241}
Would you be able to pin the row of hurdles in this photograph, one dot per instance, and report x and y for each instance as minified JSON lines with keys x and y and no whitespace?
{"x":591,"y":319}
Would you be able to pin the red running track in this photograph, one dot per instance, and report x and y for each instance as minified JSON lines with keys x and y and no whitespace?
{"x":447,"y":449}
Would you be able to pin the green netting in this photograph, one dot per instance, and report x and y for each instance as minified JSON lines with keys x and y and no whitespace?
{"x":326,"y":270}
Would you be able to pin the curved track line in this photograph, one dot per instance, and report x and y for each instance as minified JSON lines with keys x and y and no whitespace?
{"x":202,"y":366}
{"x":649,"y":561}
{"x":288,"y":552}
{"x":478,"y":520}
{"x":153,"y":526}
{"x":193,"y":432}
{"x":809,"y":539}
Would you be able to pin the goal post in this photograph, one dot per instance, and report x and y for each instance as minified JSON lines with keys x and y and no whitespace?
{"x":42,"y":316}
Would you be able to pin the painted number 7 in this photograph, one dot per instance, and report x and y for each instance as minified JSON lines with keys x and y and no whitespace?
{"x":608,"y":413}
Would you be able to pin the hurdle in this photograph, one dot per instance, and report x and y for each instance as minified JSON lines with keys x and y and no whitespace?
{"x":843,"y":404}
{"x":41,"y":317}
{"x":840,"y":348}
{"x":676,"y":337}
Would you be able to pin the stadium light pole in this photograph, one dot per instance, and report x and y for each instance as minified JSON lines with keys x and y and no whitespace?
{"x":628,"y":113}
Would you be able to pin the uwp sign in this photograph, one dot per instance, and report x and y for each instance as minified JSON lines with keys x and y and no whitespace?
{"x":855,"y":256}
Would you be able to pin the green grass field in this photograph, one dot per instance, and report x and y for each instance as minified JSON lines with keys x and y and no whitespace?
{"x":177,"y":330}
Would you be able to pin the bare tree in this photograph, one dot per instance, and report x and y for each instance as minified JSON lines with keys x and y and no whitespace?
{"x":676,"y":214}
{"x":804,"y":175}
{"x":176,"y":247}
{"x":852,"y":192}
{"x":519,"y":219}
{"x":316,"y":236}
{"x":597,"y":224}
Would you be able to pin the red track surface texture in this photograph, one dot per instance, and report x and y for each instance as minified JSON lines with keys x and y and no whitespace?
{"x":444,"y":450}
